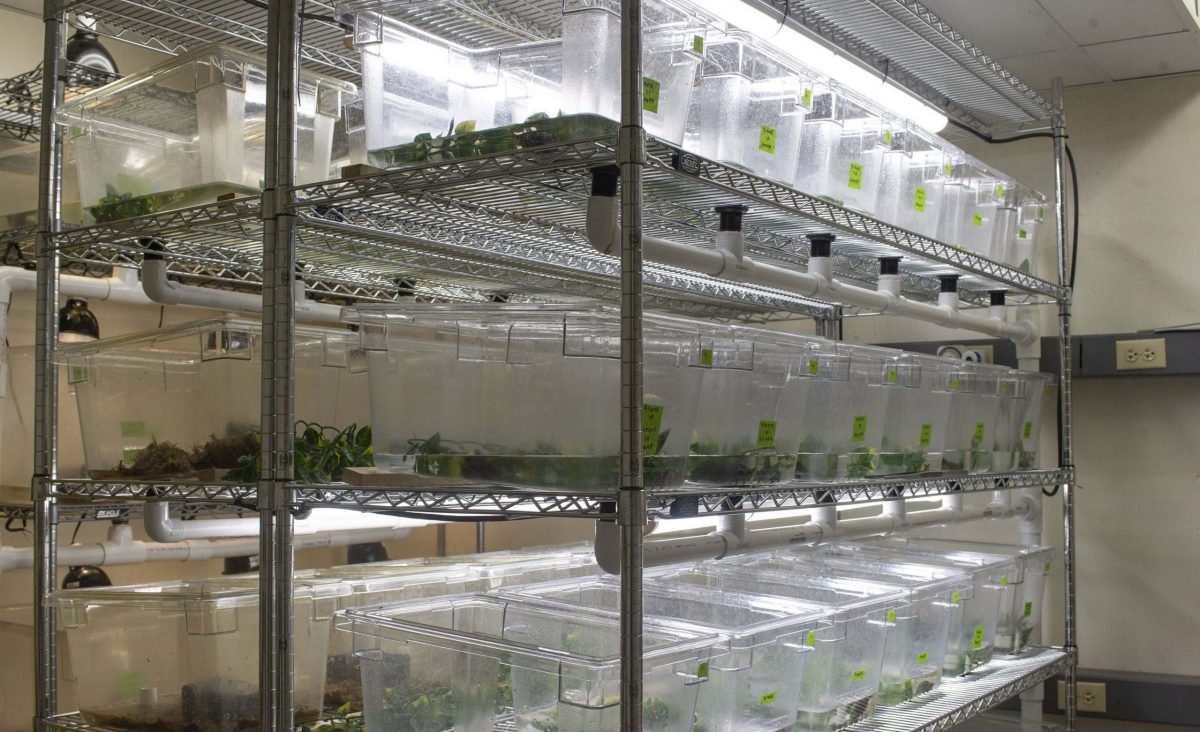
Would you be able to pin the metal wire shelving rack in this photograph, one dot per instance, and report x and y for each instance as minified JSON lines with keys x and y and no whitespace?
{"x":511,"y":225}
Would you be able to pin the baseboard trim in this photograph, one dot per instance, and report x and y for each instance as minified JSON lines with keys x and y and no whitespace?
{"x":1133,"y":697}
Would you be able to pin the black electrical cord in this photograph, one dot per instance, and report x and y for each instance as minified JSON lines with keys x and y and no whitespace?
{"x":307,"y":16}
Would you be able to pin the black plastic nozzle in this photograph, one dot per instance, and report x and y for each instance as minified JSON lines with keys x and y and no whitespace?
{"x":731,"y":216}
{"x":820,"y":245}
{"x":889,"y":265}
{"x":949,"y":283}
{"x":998,"y":296}
{"x":604,"y":180}
{"x":154,"y":248}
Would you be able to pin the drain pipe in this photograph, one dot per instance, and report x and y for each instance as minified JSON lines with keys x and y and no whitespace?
{"x":160,"y":527}
{"x":164,"y":291}
{"x":728,"y":261}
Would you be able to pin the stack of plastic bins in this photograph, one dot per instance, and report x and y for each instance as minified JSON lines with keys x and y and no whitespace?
{"x":1031,"y":212}
{"x":1006,"y":440}
{"x":841,"y":150}
{"x":984,"y":217}
{"x":1035,"y":392}
{"x":965,"y":221}
{"x":897,"y":146}
{"x":17,"y":684}
{"x":1007,"y":213}
{"x":457,"y":662}
{"x":913,"y":181}
{"x":521,"y":395}
{"x":994,"y":577}
{"x":183,"y":400}
{"x":916,"y":645}
{"x":749,"y":420}
{"x":752,"y":104}
{"x":755,"y":686}
{"x":845,"y":412}
{"x":190,"y":130}
{"x":1020,"y":614}
{"x":19,"y":181}
{"x":914,"y":431}
{"x":183,"y":656}
{"x":975,"y":417}
{"x":841,"y":678}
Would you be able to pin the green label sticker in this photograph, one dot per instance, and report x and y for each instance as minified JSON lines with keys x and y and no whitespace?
{"x":811,"y":638}
{"x":1004,"y":580}
{"x":891,"y":616}
{"x":856,"y":172}
{"x":652,"y":417}
{"x":923,"y":657}
{"x":129,"y":456}
{"x":133,"y":429}
{"x":859,"y":674}
{"x":766,"y":139}
{"x":78,"y":374}
{"x":954,"y":596}
{"x":766,"y":434}
{"x":813,"y":366}
{"x":1003,"y":387}
{"x":698,"y":45}
{"x":768,"y":698}
{"x":1046,"y":568}
{"x":919,"y":200}
{"x":977,"y":638}
{"x":980,"y":432}
{"x":130,"y":684}
{"x":977,"y":219}
{"x":1028,"y":609}
{"x":926,"y":434}
{"x":806,"y":97}
{"x":650,"y":90}
{"x":1028,"y":431}
{"x":706,"y":357}
{"x":945,"y":168}
{"x":891,"y":375}
{"x":999,"y":190}
{"x":860,"y":428}
{"x":953,"y":383}
{"x":1022,"y":234}
{"x":702,"y":672}
{"x":887,"y":137}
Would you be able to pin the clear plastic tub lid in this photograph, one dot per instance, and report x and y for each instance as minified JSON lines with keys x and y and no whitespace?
{"x":1034,"y":557}
{"x":914,"y":576}
{"x":481,"y":567}
{"x":1004,"y":567}
{"x":142,"y":100}
{"x":477,"y":624}
{"x":215,"y":593}
{"x":748,"y":620}
{"x":739,"y":52}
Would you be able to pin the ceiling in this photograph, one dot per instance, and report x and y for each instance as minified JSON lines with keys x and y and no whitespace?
{"x":1084,"y":41}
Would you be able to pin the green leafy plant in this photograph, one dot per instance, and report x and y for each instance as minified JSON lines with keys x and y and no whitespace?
{"x":322,"y":454}
{"x":342,"y":720}
{"x":462,"y":140}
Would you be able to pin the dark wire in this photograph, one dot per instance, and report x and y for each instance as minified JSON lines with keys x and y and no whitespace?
{"x":307,"y":16}
{"x":75,"y":533}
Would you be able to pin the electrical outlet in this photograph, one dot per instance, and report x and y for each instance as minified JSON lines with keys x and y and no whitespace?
{"x":1141,"y":353}
{"x":1090,"y":696}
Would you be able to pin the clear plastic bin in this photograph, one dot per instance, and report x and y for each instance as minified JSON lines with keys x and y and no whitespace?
{"x":752,"y":405}
{"x":1035,"y":391}
{"x":523,"y":395}
{"x":916,"y":644}
{"x":455,"y":662}
{"x":183,"y":656}
{"x":841,"y":678}
{"x":980,"y":436}
{"x":19,"y":181}
{"x":418,"y":87}
{"x":184,"y":401}
{"x":17,"y":692}
{"x":190,"y":130}
{"x":966,"y":219}
{"x":841,"y":150}
{"x":845,"y":413}
{"x":914,"y":431}
{"x":751,"y":106}
{"x":973,"y":633}
{"x":1031,"y":213}
{"x":1007,"y":213}
{"x":755,"y":685}
{"x":912,"y":181}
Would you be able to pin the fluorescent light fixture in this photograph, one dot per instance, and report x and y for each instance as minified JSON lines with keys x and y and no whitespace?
{"x":675,"y":526}
{"x":811,"y":52}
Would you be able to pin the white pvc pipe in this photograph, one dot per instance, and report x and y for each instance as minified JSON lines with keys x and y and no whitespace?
{"x":120,"y":548}
{"x":159,"y":526}
{"x":604,"y":234}
{"x":160,"y":289}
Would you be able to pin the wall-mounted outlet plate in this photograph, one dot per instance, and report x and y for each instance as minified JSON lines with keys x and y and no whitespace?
{"x":1141,"y":353}
{"x":1090,"y":696}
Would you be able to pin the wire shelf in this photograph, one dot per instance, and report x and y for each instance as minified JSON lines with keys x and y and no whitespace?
{"x":69,"y":513}
{"x":21,"y":98}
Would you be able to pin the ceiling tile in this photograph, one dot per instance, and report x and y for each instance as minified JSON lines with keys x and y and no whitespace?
{"x":1007,"y":28}
{"x":1038,"y":69}
{"x":1101,"y":21}
{"x":1153,"y":56}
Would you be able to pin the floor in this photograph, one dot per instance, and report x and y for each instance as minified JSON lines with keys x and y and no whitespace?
{"x":1085,"y":725}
